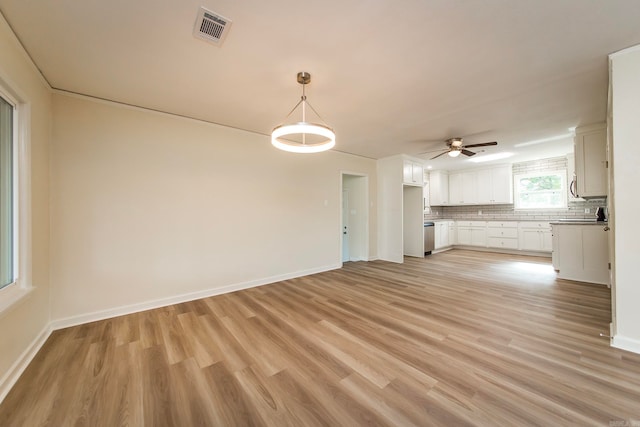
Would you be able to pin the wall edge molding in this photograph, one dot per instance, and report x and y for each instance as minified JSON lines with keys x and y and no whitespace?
{"x":163,"y":302}
{"x":15,"y":371}
{"x":626,"y":343}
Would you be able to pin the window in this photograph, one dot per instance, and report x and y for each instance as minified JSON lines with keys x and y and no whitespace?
{"x":15,"y":196}
{"x":7,"y":225}
{"x":541,"y":190}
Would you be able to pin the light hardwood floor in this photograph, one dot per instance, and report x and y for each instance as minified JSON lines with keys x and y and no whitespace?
{"x":459,"y":338}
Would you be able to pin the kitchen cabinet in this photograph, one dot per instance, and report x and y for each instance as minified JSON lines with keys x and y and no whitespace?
{"x":455,"y":189}
{"x":439,"y":188}
{"x":481,"y":187}
{"x":583,"y":252}
{"x":502,"y":234}
{"x":463,"y":188}
{"x":590,"y":148}
{"x":535,"y":236}
{"x":400,"y":210}
{"x":443,"y":234}
{"x":453,"y":239}
{"x":501,"y":185}
{"x":471,"y":233}
{"x":412,"y":173}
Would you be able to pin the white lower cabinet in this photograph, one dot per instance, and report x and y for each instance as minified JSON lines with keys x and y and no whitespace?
{"x":582,"y":252}
{"x":444,"y":237}
{"x":453,"y":235}
{"x":472,"y":233}
{"x":535,"y":236}
{"x":502,"y":234}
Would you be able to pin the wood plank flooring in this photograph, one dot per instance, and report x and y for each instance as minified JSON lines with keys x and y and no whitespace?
{"x":459,"y":338}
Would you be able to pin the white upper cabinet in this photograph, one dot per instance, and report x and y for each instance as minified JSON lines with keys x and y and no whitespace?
{"x":502,"y":185}
{"x":591,"y":161}
{"x":413,"y":173}
{"x":455,"y":189}
{"x":470,"y":188}
{"x":439,"y":188}
{"x":481,"y":187}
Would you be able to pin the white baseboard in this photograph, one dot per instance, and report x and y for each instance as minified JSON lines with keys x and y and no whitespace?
{"x":162,"y":302}
{"x":625,"y":343}
{"x":12,"y":375}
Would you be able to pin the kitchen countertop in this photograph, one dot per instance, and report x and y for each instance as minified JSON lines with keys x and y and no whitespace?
{"x":559,"y":221}
{"x":578,"y":222}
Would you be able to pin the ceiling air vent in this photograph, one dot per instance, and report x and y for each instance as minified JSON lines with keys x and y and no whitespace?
{"x":211,"y":27}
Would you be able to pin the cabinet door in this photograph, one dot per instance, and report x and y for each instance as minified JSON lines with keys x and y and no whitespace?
{"x":502,"y":185}
{"x":591,"y":156}
{"x":438,"y":188}
{"x":478,"y":237}
{"x":444,"y":234}
{"x":595,"y":249}
{"x":530,"y":240}
{"x":412,"y":173}
{"x":455,"y":189}
{"x":470,"y":187}
{"x":464,"y":236}
{"x":453,"y":240}
{"x":417,"y":173}
{"x":407,"y":172}
{"x":485,"y":187}
{"x":437,"y":242}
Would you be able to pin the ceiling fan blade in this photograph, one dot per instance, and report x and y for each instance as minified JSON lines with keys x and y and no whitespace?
{"x":431,"y":151}
{"x":441,"y":154}
{"x":468,"y":153}
{"x":484,"y":144}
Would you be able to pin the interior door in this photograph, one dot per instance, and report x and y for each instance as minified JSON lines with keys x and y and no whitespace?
{"x":345,"y":226}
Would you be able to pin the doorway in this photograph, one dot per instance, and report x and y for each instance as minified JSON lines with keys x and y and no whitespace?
{"x":354,"y":224}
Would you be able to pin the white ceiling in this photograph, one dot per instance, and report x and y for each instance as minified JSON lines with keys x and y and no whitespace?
{"x":388,"y":76}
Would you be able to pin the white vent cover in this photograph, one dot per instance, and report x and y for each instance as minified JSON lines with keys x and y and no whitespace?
{"x":211,"y":27}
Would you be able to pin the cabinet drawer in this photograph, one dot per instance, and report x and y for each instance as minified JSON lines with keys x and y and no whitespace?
{"x":497,"y":242}
{"x":535,"y":225}
{"x":471,"y":224}
{"x":502,"y":224}
{"x":502,"y":232}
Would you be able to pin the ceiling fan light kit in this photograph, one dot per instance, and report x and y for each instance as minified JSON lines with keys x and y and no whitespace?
{"x":303,"y":136}
{"x":455,"y":147}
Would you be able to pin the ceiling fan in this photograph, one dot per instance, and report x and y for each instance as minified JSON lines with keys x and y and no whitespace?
{"x":455,"y":147}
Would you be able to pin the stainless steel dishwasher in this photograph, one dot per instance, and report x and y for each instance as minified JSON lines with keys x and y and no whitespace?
{"x":429,"y":237}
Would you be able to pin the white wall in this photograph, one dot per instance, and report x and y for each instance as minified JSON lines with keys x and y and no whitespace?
{"x":625,"y":84}
{"x":24,"y":325}
{"x":148,"y":207}
{"x":390,"y":207}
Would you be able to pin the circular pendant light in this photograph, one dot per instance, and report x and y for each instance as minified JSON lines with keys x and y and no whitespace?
{"x":303,"y":136}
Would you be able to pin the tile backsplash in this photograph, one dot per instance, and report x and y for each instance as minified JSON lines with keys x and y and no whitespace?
{"x":576,"y":208}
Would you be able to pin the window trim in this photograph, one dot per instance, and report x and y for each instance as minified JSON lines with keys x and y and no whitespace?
{"x":563,"y":191}
{"x":22,"y":286}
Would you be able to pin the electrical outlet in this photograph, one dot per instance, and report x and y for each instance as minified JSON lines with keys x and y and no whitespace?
{"x":479,"y":212}
{"x":587,"y":210}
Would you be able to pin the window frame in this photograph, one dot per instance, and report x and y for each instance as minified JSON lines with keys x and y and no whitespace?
{"x":21,"y":286}
{"x":14,"y":184}
{"x":563,"y":190}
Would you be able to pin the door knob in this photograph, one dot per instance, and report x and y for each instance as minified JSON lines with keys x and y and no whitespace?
{"x":606,"y":228}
